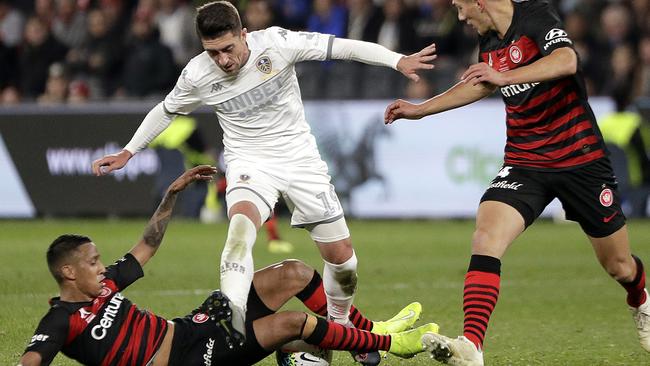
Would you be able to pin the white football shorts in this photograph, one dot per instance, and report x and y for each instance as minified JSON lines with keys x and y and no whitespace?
{"x":306,"y":189}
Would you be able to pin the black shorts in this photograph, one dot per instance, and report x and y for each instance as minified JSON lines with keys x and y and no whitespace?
{"x":588,"y":194}
{"x":199,"y":341}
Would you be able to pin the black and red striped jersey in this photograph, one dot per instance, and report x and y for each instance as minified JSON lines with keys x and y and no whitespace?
{"x":110,"y":330}
{"x":550,"y":124}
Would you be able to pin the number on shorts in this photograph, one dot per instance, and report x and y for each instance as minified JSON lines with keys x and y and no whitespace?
{"x":330,"y":202}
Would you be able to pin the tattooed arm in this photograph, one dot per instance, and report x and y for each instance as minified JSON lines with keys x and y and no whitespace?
{"x":155,"y":229}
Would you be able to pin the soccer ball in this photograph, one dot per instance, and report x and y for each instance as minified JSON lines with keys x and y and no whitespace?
{"x":322,"y":358}
{"x":299,"y":353}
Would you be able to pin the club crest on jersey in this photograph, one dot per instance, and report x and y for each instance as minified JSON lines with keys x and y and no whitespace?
{"x":106,"y":292}
{"x":606,"y":197}
{"x":199,"y":318}
{"x":263,"y":63}
{"x":515,"y":54}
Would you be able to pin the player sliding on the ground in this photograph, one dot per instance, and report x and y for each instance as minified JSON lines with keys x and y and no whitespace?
{"x":553,"y":149}
{"x":93,"y":323}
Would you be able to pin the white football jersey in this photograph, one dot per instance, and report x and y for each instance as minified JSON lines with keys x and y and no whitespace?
{"x":259,"y":109}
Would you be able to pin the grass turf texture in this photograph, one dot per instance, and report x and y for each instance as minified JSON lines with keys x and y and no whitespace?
{"x":557,"y":306}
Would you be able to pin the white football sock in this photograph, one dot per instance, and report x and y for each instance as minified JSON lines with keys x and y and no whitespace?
{"x":340,"y":293}
{"x":237,"y":260}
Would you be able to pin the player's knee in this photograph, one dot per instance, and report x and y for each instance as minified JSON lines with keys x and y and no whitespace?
{"x":291,"y":322}
{"x":620,"y":269}
{"x":330,"y":232}
{"x":295,"y":274}
{"x":481,"y":238}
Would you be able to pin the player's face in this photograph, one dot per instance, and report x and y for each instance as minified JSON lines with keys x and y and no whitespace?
{"x":88,"y":270}
{"x":472,"y":13}
{"x":229,"y":51}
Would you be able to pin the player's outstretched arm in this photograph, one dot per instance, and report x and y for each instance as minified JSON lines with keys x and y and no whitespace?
{"x":30,"y":359}
{"x":152,"y":125}
{"x":374,"y":54}
{"x":409,"y":65}
{"x":457,"y":96}
{"x":155,"y":229}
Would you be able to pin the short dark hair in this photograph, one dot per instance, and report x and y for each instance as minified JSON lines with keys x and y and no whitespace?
{"x":60,"y":250}
{"x":217,"y":18}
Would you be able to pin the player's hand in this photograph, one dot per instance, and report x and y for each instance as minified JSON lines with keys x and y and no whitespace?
{"x":483,"y":73}
{"x":201,"y":172}
{"x":401,"y":109}
{"x":408,"y":65}
{"x":111,"y":162}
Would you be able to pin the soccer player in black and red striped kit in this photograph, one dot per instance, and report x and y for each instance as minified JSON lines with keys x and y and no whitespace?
{"x":553,"y":149}
{"x":93,"y":323}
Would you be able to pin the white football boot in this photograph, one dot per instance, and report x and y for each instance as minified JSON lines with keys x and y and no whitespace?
{"x":457,"y":352}
{"x":641,"y":317}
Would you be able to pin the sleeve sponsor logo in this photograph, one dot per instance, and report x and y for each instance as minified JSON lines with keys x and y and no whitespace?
{"x":38,"y":338}
{"x":555,"y":33}
{"x":554,"y":36}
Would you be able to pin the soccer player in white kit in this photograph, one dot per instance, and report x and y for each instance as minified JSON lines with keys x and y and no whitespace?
{"x":250,"y":81}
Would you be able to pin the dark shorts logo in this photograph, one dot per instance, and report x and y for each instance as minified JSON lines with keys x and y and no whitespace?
{"x":199,"y":318}
{"x":106,"y":292}
{"x":515,"y":54}
{"x":606,"y":197}
{"x":263,"y":64}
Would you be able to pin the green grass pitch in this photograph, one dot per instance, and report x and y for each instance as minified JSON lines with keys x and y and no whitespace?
{"x":557,"y":306}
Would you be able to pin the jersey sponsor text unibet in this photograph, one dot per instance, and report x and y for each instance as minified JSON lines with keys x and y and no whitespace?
{"x":259,"y":108}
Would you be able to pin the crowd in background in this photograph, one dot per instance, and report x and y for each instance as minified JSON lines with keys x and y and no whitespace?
{"x":72,"y":51}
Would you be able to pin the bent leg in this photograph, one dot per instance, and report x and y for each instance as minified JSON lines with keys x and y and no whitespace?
{"x":279,"y":282}
{"x":613,"y":252}
{"x":275,"y":330}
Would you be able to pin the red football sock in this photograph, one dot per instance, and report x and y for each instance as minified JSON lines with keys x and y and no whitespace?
{"x":635,"y":289}
{"x":480,"y":296}
{"x":331,"y":335}
{"x":272,"y":228}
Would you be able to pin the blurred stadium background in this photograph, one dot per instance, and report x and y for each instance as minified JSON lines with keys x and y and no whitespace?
{"x":77,"y":76}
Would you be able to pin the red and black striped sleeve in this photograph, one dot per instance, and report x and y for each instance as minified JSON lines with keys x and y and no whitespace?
{"x":50,"y":335}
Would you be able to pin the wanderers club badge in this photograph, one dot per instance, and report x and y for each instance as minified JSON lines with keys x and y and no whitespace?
{"x":263,"y":64}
